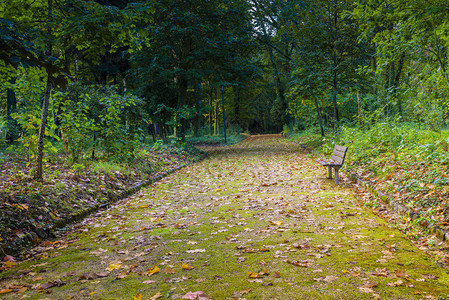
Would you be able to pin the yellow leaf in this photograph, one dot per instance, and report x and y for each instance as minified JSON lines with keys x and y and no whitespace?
{"x":143,"y":206}
{"x":113,"y":267}
{"x":155,"y":219}
{"x":92,"y":293}
{"x":152,"y":271}
{"x":344,"y":271}
{"x":278,"y":223}
{"x":254,"y":275}
{"x":138,"y":297}
{"x":4,"y":291}
{"x":9,"y":264}
{"x":187,"y":266}
{"x":218,"y":190}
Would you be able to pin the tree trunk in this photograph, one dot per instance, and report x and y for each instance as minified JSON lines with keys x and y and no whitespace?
{"x":211,"y":113}
{"x":46,"y":100}
{"x":335,"y":66}
{"x":182,"y":97}
{"x":11,"y":107}
{"x":318,"y":112}
{"x":41,"y":137}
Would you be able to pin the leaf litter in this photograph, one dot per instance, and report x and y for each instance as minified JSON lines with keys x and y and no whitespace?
{"x":255,"y":220}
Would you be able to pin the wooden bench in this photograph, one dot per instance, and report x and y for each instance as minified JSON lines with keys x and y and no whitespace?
{"x":336,"y":161}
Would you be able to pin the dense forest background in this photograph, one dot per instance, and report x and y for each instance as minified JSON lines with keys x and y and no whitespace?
{"x":99,"y":78}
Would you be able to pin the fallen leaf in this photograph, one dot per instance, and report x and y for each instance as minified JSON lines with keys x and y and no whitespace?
{"x":152,"y":271}
{"x":401,"y":273}
{"x":187,"y":266}
{"x":196,"y":251}
{"x":429,"y":276}
{"x":9,"y":264}
{"x":149,"y":281}
{"x":398,"y":282}
{"x":9,"y":258}
{"x":122,"y":275}
{"x":4,"y":291}
{"x":156,"y":296}
{"x":239,"y":294}
{"x":22,"y":290}
{"x":37,"y":278}
{"x":113,"y":267}
{"x":254,"y":275}
{"x":299,"y":263}
{"x":137,"y":297}
{"x":196,"y":295}
{"x":169,"y":270}
{"x":51,"y":284}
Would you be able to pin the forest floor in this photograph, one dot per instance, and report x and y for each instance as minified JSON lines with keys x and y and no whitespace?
{"x":30,"y":210}
{"x":257,"y":220}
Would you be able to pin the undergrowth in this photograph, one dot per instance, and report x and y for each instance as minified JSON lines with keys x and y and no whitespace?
{"x":410,"y":163}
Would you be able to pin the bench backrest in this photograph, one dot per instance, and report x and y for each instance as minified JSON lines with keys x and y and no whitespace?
{"x":339,"y":154}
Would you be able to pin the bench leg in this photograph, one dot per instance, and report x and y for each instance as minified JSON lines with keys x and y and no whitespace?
{"x":336,"y":176}
{"x":329,"y":168}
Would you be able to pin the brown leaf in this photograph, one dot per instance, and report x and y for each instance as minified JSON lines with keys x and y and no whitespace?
{"x":299,"y":263}
{"x":401,"y":273}
{"x":239,"y":294}
{"x":9,"y":258}
{"x":169,"y":270}
{"x":398,"y":282}
{"x":51,"y":284}
{"x":429,"y":276}
{"x":370,"y":284}
{"x":156,"y":296}
{"x":149,"y":281}
{"x":37,"y":278}
{"x":122,"y":275}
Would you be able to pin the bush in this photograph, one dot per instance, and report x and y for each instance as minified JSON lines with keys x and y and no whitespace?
{"x":95,"y":117}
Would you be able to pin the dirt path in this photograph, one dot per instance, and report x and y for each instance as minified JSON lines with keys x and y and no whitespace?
{"x":256,"y":221}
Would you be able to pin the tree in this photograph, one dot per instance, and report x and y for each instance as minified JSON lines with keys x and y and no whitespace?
{"x":407,"y":34}
{"x":190,"y":41}
{"x":328,"y":54}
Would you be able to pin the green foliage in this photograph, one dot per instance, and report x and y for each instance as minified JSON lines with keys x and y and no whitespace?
{"x":29,"y":123}
{"x":3,"y":129}
{"x":29,"y":90}
{"x":94,"y":116}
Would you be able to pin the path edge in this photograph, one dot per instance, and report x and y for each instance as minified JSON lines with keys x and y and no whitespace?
{"x":393,"y":204}
{"x":399,"y":208}
{"x":31,"y":239}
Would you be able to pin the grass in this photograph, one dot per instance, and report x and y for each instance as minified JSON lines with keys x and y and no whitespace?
{"x":215,"y":140}
{"x":108,"y":168}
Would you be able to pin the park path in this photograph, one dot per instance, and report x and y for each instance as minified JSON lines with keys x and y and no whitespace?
{"x":256,"y":220}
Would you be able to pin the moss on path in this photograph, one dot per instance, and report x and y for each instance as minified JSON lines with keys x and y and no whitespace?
{"x":256,"y":220}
